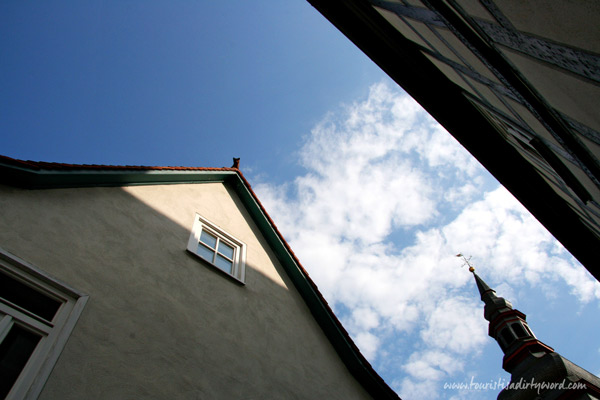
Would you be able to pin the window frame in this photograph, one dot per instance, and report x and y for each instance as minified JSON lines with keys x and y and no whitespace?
{"x":238,"y":268}
{"x":54,"y":334}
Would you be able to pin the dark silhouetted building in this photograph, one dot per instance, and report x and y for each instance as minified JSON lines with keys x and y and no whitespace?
{"x":516,"y":82}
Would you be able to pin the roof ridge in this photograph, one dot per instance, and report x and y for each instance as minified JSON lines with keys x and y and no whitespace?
{"x":67,"y":166}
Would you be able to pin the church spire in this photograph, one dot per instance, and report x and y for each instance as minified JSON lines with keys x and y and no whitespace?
{"x":507,"y":326}
{"x":494,"y":305}
{"x":526,"y":358}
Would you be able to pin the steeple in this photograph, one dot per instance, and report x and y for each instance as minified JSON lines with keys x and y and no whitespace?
{"x":526,"y":358}
{"x":507,"y":326}
{"x":494,"y":305}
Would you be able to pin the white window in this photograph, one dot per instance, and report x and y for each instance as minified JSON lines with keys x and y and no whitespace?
{"x":37,"y":315}
{"x":218,"y":248}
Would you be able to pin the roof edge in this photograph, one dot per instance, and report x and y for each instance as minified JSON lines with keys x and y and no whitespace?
{"x":44,"y":175}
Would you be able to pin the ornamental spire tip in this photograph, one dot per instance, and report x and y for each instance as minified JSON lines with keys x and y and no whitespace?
{"x":466,"y":262}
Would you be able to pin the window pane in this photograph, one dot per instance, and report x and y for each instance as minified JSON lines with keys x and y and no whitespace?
{"x":205,"y":252}
{"x":15,"y":350}
{"x":30,"y":299}
{"x":507,"y":336}
{"x":226,"y":250}
{"x":208,"y":239}
{"x":223,"y":263}
{"x":519,"y":330}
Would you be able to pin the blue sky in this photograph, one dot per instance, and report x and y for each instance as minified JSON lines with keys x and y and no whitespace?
{"x":185,"y":83}
{"x":374,"y":197}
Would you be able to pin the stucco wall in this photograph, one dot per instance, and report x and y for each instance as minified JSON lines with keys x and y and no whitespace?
{"x":159,"y":323}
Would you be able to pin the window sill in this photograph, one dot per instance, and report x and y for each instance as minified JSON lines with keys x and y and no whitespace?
{"x":215,"y":268}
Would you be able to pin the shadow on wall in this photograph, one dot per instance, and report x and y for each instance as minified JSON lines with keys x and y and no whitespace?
{"x":160,"y":323}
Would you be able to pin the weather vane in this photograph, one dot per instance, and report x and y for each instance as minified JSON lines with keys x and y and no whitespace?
{"x":467,"y":261}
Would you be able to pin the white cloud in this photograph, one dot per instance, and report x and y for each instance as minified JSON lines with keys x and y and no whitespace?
{"x":417,"y":389}
{"x":367,"y":343}
{"x":381,"y":169}
{"x":365,"y":318}
{"x":461,"y":195}
{"x":455,"y":325}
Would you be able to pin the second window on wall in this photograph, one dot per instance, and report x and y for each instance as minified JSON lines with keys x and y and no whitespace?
{"x":37,"y":315}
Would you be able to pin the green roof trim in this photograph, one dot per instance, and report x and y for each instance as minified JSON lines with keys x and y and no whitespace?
{"x":44,"y":179}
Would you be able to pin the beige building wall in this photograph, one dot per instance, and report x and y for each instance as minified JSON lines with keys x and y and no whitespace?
{"x":159,"y":323}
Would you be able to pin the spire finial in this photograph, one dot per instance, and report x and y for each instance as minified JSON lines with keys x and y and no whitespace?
{"x":492,"y":302}
{"x":467,"y":261}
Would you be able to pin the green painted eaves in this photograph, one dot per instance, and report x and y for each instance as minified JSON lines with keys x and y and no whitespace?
{"x":47,"y":179}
